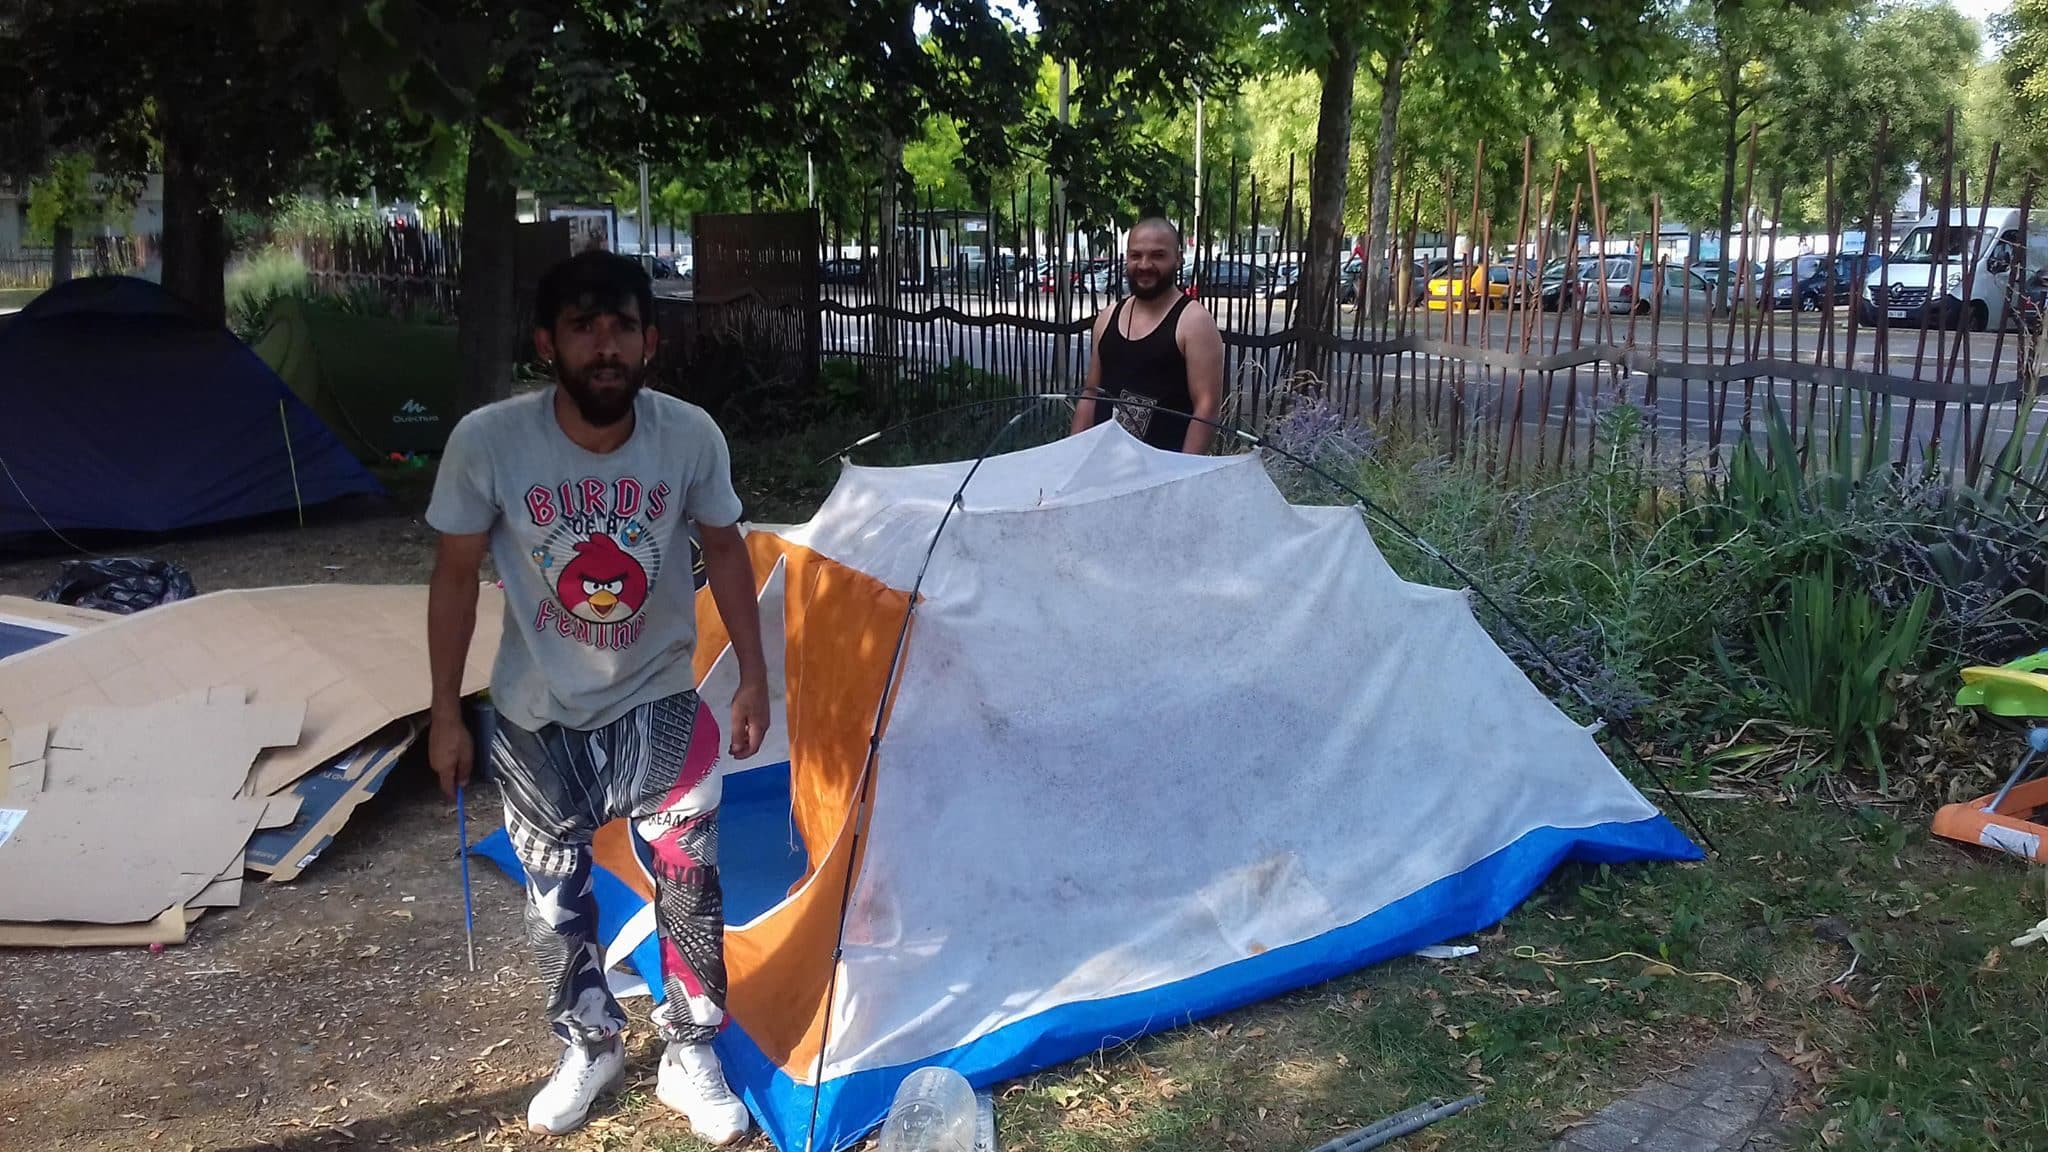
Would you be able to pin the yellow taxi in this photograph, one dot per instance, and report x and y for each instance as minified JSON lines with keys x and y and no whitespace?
{"x":1496,"y":286}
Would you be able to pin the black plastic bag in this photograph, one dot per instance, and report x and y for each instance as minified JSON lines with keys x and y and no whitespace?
{"x":119,"y":584}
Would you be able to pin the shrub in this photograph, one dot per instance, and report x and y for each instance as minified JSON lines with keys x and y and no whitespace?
{"x":257,"y":283}
{"x":1831,"y":659}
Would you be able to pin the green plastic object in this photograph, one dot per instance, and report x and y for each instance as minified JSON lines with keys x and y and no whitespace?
{"x":2019,"y":688}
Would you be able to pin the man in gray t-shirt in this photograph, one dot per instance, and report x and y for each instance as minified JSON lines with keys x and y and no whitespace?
{"x":581,"y":492}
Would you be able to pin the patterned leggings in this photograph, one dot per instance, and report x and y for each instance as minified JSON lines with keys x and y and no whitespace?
{"x":655,"y":764}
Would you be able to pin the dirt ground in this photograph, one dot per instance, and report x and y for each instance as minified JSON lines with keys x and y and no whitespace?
{"x":336,"y":1011}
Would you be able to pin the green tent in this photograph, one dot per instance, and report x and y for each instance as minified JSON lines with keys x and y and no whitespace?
{"x":384,"y":386}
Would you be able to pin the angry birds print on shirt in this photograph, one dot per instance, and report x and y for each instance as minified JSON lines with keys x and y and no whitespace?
{"x":603,"y":583}
{"x":599,"y":555}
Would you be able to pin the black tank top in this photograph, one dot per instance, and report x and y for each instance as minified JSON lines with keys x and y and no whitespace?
{"x":1150,"y":369}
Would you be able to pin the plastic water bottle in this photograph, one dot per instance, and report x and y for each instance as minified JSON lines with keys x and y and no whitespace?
{"x":933,"y":1112}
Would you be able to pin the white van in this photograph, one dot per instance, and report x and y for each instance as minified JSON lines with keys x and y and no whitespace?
{"x":1920,"y":285}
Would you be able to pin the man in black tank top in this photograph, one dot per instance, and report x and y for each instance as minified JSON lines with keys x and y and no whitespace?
{"x":1158,"y":350}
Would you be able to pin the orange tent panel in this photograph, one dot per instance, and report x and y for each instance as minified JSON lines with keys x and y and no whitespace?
{"x":841,"y":628}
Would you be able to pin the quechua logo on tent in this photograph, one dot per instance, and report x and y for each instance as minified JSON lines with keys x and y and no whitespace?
{"x":414,"y":412}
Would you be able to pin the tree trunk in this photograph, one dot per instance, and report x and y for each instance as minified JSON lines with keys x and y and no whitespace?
{"x":1731,"y":143}
{"x":195,"y":249}
{"x":488,"y":331}
{"x":1379,"y":257}
{"x":1328,"y":177}
{"x":60,"y":252}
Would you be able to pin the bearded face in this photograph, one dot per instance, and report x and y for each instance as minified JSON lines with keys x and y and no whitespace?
{"x":602,"y":356}
{"x":1150,"y":260}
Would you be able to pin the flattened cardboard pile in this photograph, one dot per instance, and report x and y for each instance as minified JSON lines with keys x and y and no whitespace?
{"x":147,"y":761}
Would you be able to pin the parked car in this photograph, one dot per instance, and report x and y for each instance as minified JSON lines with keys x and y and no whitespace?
{"x":2032,"y":305}
{"x":1101,"y":275}
{"x":1612,"y":286}
{"x":1711,"y":273}
{"x":1787,"y":277}
{"x":667,"y":278}
{"x":1805,"y":286}
{"x":1463,"y":286}
{"x":1669,"y":290}
{"x":843,"y":272}
{"x":1287,"y":281}
{"x":1419,"y":275}
{"x":1038,"y":277}
{"x":1923,"y":281}
{"x":1231,"y":278}
{"x":1561,"y":291}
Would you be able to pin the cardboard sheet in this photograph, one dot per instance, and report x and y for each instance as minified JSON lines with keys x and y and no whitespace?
{"x":282,"y":811}
{"x":225,"y":893}
{"x":356,"y":654}
{"x":60,"y":619}
{"x":327,"y":799}
{"x":169,"y":928}
{"x":117,"y":858}
{"x":201,"y":744}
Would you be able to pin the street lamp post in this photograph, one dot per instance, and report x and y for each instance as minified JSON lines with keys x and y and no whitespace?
{"x":641,"y":225}
{"x":1195,"y":234}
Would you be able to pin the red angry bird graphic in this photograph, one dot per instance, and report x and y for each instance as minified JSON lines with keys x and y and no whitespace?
{"x":603,"y":584}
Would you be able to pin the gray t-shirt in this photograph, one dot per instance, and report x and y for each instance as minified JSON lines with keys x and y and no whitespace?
{"x":600,"y":608}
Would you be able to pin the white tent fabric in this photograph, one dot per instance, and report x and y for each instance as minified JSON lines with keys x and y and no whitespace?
{"x":1155,"y":721}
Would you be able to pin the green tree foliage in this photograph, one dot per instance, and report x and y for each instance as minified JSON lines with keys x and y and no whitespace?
{"x":1561,"y":48}
{"x":1837,"y":77}
{"x":68,"y":196}
{"x":218,"y":95}
{"x":2021,"y":33}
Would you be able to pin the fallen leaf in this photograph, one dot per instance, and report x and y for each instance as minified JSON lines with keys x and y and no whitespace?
{"x":1064,"y":1095}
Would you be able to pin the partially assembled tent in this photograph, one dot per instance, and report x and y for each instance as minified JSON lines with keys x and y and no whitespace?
{"x":383,"y":385}
{"x":1160,"y":744}
{"x":127,"y":412}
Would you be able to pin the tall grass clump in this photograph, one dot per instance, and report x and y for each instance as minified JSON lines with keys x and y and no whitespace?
{"x":1812,"y":599}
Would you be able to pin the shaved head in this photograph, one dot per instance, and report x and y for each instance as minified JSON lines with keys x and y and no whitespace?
{"x":1160,"y":224}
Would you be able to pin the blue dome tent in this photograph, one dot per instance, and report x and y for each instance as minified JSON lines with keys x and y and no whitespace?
{"x":127,"y":412}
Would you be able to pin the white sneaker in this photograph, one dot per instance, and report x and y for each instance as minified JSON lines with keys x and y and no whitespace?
{"x":691,"y":1082}
{"x":563,"y":1103}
